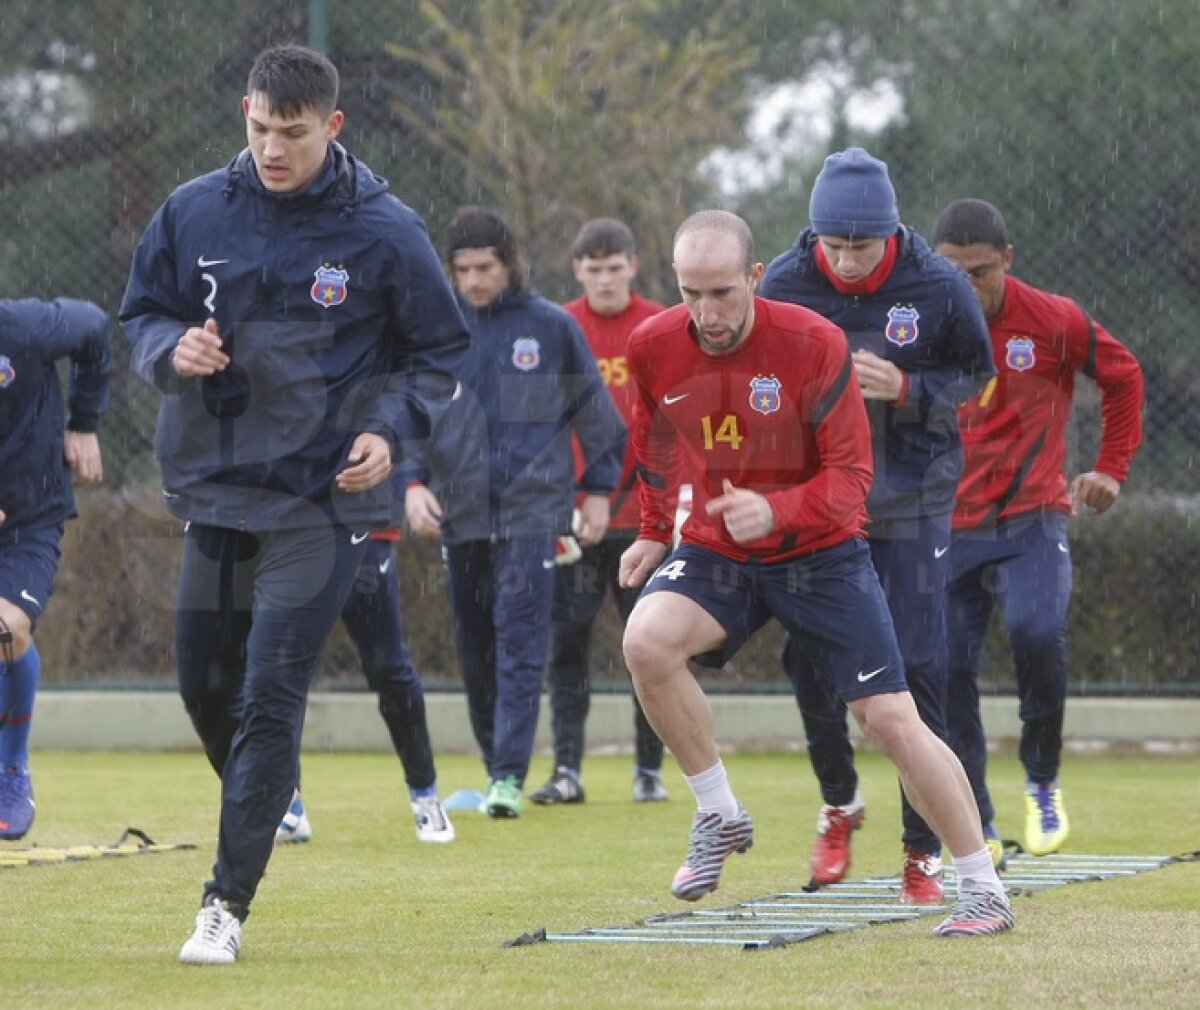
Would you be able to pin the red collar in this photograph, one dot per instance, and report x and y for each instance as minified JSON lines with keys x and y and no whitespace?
{"x":873,"y":282}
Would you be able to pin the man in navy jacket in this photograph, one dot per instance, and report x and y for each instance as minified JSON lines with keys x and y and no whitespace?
{"x":41,"y":449}
{"x":296,"y":318}
{"x":498,"y":485}
{"x":920,"y":347}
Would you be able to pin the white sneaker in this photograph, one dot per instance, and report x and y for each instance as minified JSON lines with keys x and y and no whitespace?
{"x":648,"y":787}
{"x":218,"y":936}
{"x":433,"y":824}
{"x":294,"y":827}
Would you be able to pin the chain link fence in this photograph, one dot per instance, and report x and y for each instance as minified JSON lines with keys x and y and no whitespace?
{"x":103,"y":112}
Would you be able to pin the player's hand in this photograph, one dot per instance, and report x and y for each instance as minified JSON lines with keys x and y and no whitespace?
{"x":2,"y":517}
{"x":747,"y":514}
{"x":639,"y":562}
{"x":81,"y":449}
{"x":593,"y":520}
{"x":423,"y":511}
{"x":877,"y":377}
{"x":199,"y":353}
{"x":370,"y":464}
{"x":1094,"y":490}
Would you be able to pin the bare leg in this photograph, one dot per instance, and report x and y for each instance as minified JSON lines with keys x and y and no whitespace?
{"x":663,"y":631}
{"x":932,"y":777}
{"x":17,"y":622}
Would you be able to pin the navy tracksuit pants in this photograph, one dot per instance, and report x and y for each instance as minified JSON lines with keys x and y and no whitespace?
{"x":253,"y":613}
{"x":374,"y":618}
{"x":579,"y":592}
{"x":1024,"y":565}
{"x":502,"y":593}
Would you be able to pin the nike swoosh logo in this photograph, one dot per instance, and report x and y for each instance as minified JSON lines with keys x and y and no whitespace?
{"x":548,"y":563}
{"x":385,"y":566}
{"x":358,"y":538}
{"x":27,"y":595}
{"x":1063,"y":547}
{"x":864,"y":677}
{"x":939,"y":551}
{"x":668,"y":400}
{"x":202,"y":262}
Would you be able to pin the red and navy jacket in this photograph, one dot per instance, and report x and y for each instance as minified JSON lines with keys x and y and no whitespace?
{"x":35,"y":480}
{"x":1015,"y":432}
{"x":926,"y":320}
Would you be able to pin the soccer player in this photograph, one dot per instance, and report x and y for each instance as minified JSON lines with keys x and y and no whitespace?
{"x":498,"y":485}
{"x":374,"y":618}
{"x":755,"y":402}
{"x":920,"y":348}
{"x":604,"y":259}
{"x":298,"y":322}
{"x":43,"y":450}
{"x":1010,"y":541}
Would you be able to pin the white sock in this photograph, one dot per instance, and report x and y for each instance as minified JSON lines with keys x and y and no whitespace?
{"x":712,"y":791}
{"x":976,"y":873}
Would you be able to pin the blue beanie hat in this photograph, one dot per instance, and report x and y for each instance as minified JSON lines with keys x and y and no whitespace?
{"x":853,"y":197}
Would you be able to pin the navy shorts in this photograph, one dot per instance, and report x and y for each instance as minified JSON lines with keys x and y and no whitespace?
{"x":28,"y":563}
{"x":831,"y":601}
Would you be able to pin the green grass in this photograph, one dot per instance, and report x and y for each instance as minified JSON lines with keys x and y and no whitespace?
{"x":365,"y":916}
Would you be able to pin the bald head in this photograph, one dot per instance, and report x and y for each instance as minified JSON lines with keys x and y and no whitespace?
{"x":714,"y":264}
{"x":707,"y":227}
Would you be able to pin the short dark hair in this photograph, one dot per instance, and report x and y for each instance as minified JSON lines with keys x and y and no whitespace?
{"x":602,"y":237}
{"x":294,"y":79}
{"x":971,"y":222}
{"x":726,"y":223}
{"x":475,"y":227}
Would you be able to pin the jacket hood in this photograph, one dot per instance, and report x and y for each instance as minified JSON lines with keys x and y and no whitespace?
{"x":344,"y":181}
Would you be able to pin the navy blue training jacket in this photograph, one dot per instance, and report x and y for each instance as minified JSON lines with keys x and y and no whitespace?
{"x":927,"y":321}
{"x":337,"y":316}
{"x":500,"y":459}
{"x":35,"y":481}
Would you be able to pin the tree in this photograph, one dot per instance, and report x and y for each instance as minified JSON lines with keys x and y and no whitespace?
{"x":1078,"y":119}
{"x":558,"y":112}
{"x":1040,"y":105}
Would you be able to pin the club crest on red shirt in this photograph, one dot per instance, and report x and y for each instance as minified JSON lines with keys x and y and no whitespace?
{"x":902,"y":326}
{"x":7,"y":372}
{"x":329,"y":288}
{"x":527,"y":353}
{"x":764,"y":393}
{"x":1019,"y":356}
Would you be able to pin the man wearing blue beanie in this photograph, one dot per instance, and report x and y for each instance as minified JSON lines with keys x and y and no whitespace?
{"x":921,"y":348}
{"x":853,"y":197}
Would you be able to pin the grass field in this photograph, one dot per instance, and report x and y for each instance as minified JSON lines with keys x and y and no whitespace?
{"x":364,"y":916}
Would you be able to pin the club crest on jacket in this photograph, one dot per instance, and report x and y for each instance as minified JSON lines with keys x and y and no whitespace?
{"x":902,"y":326}
{"x":527,"y":353}
{"x":329,"y":287}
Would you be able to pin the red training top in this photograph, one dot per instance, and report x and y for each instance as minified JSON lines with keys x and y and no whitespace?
{"x":608,"y":337}
{"x":1015,"y":432}
{"x":781,"y":415}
